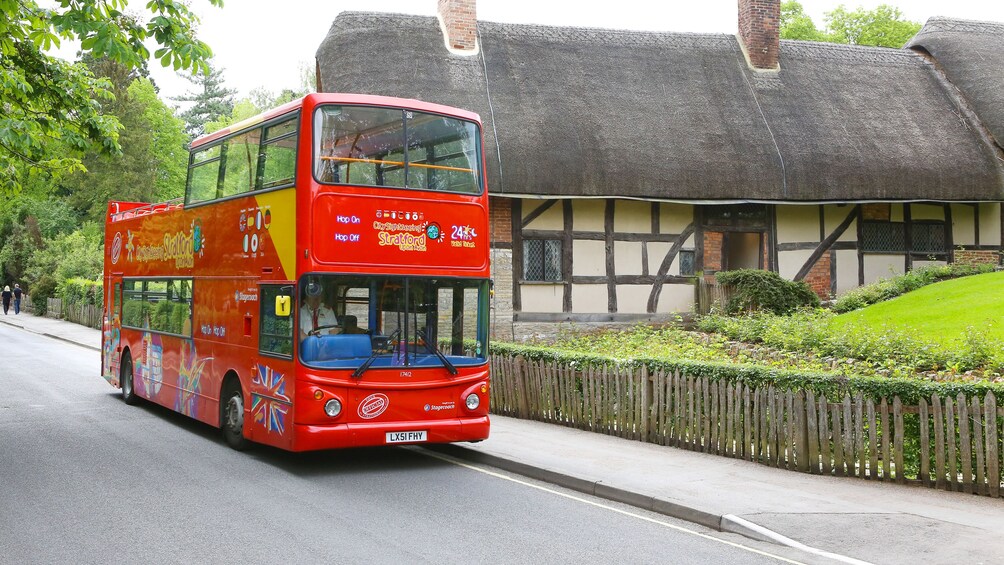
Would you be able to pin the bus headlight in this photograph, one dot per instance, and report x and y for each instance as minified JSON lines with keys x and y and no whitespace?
{"x":333,"y":407}
{"x":473,"y":401}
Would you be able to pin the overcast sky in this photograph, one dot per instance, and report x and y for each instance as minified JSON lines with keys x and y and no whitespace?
{"x":264,"y":43}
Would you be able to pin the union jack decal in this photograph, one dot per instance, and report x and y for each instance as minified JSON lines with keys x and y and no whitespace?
{"x":270,"y":405}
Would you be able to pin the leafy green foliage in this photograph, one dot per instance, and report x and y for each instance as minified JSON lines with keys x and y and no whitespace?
{"x":885,"y":289}
{"x":50,"y":105}
{"x":864,"y":348}
{"x":756,"y":290}
{"x":882,"y":27}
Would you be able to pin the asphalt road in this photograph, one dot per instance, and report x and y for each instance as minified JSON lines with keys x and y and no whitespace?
{"x":86,"y":479}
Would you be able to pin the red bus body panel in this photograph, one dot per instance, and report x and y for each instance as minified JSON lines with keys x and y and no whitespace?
{"x":230,"y":247}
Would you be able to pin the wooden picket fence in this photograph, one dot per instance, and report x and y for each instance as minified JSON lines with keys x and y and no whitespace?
{"x":84,"y":314}
{"x":949,"y":443}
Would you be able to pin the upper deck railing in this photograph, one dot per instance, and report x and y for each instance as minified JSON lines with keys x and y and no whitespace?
{"x":147,"y":209}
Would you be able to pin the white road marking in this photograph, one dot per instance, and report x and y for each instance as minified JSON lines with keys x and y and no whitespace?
{"x":449,"y":459}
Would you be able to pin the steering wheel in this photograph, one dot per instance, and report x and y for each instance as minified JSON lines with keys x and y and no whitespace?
{"x":316,"y":332}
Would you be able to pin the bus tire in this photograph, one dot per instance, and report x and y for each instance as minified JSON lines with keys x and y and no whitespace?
{"x":232,"y":414}
{"x":127,"y":381}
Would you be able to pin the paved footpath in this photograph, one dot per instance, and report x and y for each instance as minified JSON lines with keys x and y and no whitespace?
{"x":833,"y":519}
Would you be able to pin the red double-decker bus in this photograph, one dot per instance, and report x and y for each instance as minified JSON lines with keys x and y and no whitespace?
{"x":323,"y":284}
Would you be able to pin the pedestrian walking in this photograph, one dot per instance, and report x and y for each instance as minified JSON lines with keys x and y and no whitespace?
{"x":17,"y":298}
{"x":7,"y":294}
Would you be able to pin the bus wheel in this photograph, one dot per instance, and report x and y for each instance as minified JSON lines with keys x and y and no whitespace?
{"x":232,"y":415}
{"x":126,"y":380}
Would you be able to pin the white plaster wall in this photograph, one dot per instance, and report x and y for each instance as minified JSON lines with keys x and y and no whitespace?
{"x":990,"y":224}
{"x":919,"y":264}
{"x":627,"y":257}
{"x":847,"y":270}
{"x":540,"y":297}
{"x":964,"y":224}
{"x":675,"y":298}
{"x":589,"y":258}
{"x":789,"y":262}
{"x":632,"y":216}
{"x":674,"y":218}
{"x":883,"y":267}
{"x":834,"y":215}
{"x":927,"y":212}
{"x":587,"y":214}
{"x":633,"y":298}
{"x":589,"y":298}
{"x":552,"y":219}
{"x":657,"y":251}
{"x":797,"y":224}
{"x":896,"y":213}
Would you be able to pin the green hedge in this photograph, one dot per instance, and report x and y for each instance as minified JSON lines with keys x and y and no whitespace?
{"x":910,"y":391}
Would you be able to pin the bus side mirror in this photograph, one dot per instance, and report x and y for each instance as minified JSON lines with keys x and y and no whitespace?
{"x":282,"y":306}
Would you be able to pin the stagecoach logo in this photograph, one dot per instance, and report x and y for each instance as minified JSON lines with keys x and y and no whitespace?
{"x":373,"y":405}
{"x":116,"y":247}
{"x":250,"y":296}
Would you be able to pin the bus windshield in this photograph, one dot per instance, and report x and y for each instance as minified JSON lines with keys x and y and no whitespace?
{"x":374,"y":146}
{"x":392,"y":321}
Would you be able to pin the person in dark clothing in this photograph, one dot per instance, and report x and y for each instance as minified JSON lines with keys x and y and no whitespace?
{"x":17,"y":298}
{"x":7,"y":294}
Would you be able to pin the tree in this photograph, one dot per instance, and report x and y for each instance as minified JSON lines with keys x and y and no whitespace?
{"x":796,"y":24}
{"x":49,"y":104}
{"x":882,"y":27}
{"x":211,"y":102}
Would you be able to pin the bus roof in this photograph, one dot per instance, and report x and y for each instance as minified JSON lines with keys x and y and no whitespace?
{"x":338,"y":98}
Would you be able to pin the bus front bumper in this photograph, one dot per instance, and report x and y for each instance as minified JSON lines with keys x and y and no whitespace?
{"x":360,"y":434}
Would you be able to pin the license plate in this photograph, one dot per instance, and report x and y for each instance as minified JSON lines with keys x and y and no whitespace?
{"x":406,"y":437}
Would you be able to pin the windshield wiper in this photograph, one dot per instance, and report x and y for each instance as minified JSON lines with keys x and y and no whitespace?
{"x":358,"y":373}
{"x":432,"y":347}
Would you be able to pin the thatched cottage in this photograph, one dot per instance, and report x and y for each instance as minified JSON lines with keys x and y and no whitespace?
{"x":626,"y":166}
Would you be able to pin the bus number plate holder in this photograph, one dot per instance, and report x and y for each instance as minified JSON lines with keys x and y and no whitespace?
{"x":407,"y":437}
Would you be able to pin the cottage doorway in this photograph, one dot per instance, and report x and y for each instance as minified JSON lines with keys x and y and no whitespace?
{"x":742,"y":250}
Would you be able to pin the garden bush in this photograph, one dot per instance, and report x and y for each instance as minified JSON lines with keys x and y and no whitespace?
{"x":756,"y":290}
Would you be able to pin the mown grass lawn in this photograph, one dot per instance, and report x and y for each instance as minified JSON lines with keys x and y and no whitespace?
{"x":941,"y":312}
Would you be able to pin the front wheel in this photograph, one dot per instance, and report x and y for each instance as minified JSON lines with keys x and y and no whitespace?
{"x":126,"y":380}
{"x":232,"y":416}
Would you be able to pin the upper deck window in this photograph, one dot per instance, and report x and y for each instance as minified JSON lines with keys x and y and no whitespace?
{"x":397,"y":148}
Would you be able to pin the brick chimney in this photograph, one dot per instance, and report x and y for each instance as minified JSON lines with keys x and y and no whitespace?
{"x":459,"y":21}
{"x":759,"y":32}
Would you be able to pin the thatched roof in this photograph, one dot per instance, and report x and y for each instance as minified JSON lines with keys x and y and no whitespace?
{"x":972,"y":56}
{"x":678,"y":116}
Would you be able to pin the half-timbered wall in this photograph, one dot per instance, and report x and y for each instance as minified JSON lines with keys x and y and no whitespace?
{"x":619,"y":260}
{"x":611,"y":261}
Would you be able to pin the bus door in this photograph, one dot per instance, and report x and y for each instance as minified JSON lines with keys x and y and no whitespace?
{"x":111,"y":335}
{"x":273,"y":377}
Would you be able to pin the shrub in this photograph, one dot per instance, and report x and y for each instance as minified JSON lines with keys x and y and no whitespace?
{"x":81,"y":291}
{"x":41,"y":291}
{"x":756,"y":290}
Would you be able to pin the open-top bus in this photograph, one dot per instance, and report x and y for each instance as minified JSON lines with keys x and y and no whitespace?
{"x":370,"y":210}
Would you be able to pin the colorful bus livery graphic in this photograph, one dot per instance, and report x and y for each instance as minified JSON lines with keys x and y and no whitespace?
{"x":371,"y":211}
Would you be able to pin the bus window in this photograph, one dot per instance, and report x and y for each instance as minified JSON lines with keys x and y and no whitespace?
{"x":396,"y":148}
{"x":278,"y":155}
{"x":401,"y":321}
{"x":241,"y":158}
{"x":276,"y":331}
{"x":204,"y":175}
